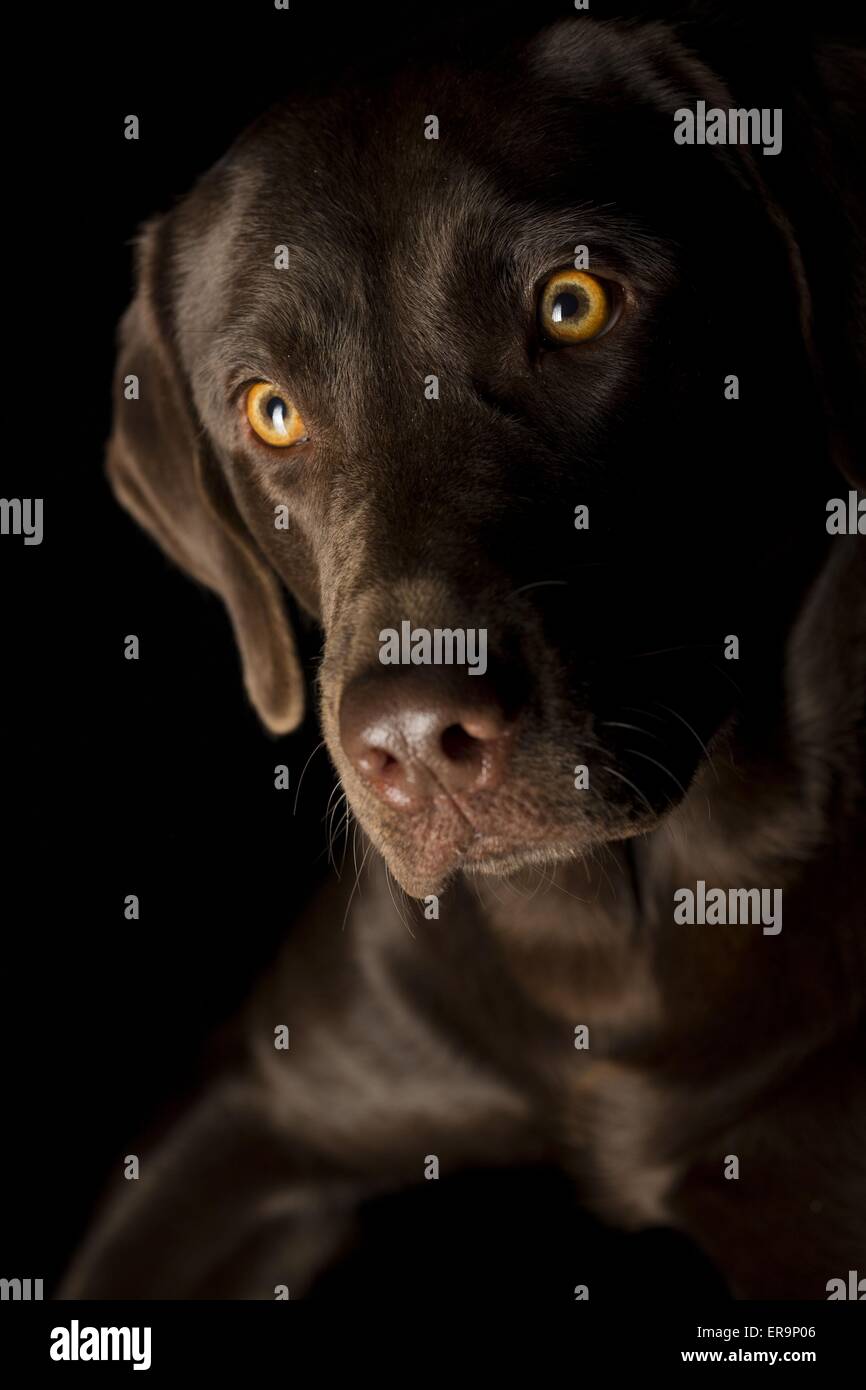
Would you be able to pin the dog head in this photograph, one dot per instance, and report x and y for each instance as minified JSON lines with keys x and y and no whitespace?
{"x":518,"y":397}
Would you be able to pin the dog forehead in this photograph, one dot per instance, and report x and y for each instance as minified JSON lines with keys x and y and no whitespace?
{"x":308,"y":258}
{"x":341,"y":223}
{"x":360,"y":178}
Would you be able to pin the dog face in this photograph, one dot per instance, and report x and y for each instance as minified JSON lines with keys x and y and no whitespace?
{"x":482,"y":383}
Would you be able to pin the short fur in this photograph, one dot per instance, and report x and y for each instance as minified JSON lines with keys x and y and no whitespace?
{"x":412,"y":257}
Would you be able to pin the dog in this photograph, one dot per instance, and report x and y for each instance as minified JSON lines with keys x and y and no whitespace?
{"x":469,"y":343}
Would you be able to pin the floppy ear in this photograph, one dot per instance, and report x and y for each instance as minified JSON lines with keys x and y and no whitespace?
{"x":819,"y":215}
{"x":832,"y":222}
{"x":161,"y":470}
{"x":817,"y":203}
{"x":832,"y":315}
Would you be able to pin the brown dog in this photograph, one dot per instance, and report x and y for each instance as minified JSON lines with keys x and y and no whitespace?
{"x":474,"y":346}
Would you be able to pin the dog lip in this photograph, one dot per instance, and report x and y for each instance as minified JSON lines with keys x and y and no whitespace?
{"x":492,"y":850}
{"x":492,"y":847}
{"x":482,"y":852}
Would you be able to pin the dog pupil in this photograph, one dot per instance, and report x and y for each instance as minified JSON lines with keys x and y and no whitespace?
{"x":566,"y":305}
{"x":276,"y":412}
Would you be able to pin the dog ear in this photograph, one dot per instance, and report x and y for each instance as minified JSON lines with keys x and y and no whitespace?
{"x":161,"y":470}
{"x":831,"y":319}
{"x":817,"y":206}
{"x":816,"y":198}
{"x":833,"y":209}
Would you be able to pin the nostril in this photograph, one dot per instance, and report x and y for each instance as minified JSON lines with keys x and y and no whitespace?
{"x":427,"y":734}
{"x":459,"y":744}
{"x":484,"y":725}
{"x":376,"y":762}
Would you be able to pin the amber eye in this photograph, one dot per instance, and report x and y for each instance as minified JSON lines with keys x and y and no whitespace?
{"x":574,"y":307}
{"x":272,"y":416}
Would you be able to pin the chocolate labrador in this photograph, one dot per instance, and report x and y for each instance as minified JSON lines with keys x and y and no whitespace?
{"x":534,"y":371}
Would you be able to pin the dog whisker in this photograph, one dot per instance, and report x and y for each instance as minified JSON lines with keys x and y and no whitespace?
{"x":389,"y":879}
{"x":634,"y":788}
{"x":332,"y":832}
{"x":319,"y":745}
{"x":693,"y":731}
{"x":538,"y":584}
{"x":345,"y":825}
{"x":617,"y":724}
{"x":648,"y":713}
{"x":668,"y":651}
{"x":329,"y":814}
{"x":659,"y":765}
{"x":356,"y":885}
{"x":728,"y":677}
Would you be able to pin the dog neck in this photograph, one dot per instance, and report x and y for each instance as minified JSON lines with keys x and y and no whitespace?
{"x":597,"y":942}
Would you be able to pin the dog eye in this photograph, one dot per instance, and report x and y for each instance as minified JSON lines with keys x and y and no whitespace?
{"x":574,"y":307}
{"x":274,"y":419}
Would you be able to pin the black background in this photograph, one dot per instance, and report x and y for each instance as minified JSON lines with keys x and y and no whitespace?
{"x":153,"y":777}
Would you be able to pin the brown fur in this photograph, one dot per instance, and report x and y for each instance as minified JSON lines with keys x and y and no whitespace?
{"x":454,"y":1038}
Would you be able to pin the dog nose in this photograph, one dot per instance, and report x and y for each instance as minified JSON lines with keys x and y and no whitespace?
{"x":413,"y":735}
